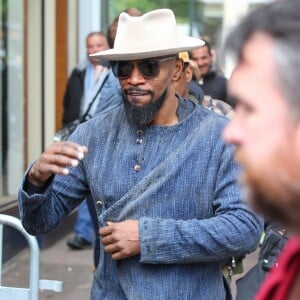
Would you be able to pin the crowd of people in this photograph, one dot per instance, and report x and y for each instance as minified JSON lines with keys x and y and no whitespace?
{"x":182,"y":170}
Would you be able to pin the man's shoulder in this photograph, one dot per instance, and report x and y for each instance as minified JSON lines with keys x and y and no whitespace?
{"x":101,"y":125}
{"x":112,"y":115}
{"x":221,"y":75}
{"x":76,"y":72}
{"x":206,"y":118}
{"x":80,"y":68}
{"x":112,"y":80}
{"x":215,"y":76}
{"x":220,"y":78}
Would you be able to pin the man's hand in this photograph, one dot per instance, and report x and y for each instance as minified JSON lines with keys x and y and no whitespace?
{"x":56,"y":160}
{"x":121,"y":239}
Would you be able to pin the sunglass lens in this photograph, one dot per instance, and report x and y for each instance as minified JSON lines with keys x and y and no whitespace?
{"x":149,"y":67}
{"x":122,"y":69}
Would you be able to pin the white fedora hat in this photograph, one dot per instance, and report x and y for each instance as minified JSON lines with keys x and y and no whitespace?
{"x":151,"y":35}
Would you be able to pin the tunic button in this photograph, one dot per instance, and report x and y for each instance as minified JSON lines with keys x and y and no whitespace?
{"x":137,"y":168}
{"x":99,"y":203}
{"x":139,"y":141}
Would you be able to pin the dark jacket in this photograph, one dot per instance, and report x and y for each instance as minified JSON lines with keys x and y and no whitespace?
{"x":73,"y":95}
{"x":215,"y":85}
{"x":110,"y":97}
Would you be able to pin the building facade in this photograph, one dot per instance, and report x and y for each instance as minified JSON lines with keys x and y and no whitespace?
{"x":39,"y":45}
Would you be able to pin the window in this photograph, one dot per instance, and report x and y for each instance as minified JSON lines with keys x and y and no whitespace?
{"x":11,"y":96}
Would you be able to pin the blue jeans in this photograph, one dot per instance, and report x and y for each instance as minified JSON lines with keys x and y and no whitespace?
{"x":84,"y":227}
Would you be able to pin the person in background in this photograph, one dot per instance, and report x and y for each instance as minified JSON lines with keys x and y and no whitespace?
{"x":112,"y":29}
{"x":187,"y":88}
{"x":84,"y":81}
{"x":266,"y":128}
{"x":212,"y":82}
{"x":82,"y":85}
{"x":162,"y":178}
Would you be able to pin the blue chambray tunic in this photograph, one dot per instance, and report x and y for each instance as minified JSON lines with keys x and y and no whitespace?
{"x":178,"y":181}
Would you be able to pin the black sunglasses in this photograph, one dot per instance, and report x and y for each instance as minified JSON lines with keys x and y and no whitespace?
{"x":148,"y":67}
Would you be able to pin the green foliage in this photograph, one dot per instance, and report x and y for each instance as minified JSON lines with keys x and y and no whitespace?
{"x":180,"y":7}
{"x":143,"y":5}
{"x":186,"y":11}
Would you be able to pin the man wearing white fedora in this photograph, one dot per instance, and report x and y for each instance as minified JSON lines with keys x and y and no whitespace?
{"x":163,"y":180}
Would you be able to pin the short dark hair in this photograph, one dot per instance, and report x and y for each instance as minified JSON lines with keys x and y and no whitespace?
{"x":207,"y":44}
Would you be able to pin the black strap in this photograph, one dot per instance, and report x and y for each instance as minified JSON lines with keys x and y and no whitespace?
{"x":84,"y":117}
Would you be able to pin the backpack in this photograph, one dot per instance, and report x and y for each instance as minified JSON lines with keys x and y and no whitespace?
{"x":274,"y":241}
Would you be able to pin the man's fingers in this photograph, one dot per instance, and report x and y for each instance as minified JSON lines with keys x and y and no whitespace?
{"x":106,"y":230}
{"x":108,"y":239}
{"x":45,"y":169}
{"x":69,"y":149}
{"x":59,"y":160}
{"x":112,"y":248}
{"x":56,"y":160}
{"x":116,"y":251}
{"x":118,"y":256}
{"x":63,"y":154}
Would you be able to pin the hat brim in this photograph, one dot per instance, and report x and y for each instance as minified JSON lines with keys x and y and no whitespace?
{"x":186,"y":44}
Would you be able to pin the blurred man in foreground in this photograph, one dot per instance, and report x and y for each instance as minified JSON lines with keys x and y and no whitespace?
{"x":266,"y":129}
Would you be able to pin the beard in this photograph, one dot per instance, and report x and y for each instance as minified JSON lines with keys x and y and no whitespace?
{"x":142,"y":115}
{"x":275,"y":195}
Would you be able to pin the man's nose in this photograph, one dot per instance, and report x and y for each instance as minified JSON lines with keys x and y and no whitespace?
{"x":135,"y":76}
{"x":232,"y":132}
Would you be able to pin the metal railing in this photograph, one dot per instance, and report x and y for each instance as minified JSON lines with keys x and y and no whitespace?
{"x":32,"y":292}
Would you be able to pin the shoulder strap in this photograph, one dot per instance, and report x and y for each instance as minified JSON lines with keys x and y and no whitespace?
{"x":84,"y":117}
{"x":158,"y":177}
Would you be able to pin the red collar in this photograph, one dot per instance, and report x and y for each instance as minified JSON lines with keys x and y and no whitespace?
{"x":278,"y":283}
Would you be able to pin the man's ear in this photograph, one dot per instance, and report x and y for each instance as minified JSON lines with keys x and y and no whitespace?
{"x":177,"y":70}
{"x":188,"y":73}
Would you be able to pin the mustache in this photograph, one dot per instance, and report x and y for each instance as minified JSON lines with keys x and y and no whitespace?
{"x":136,"y":89}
